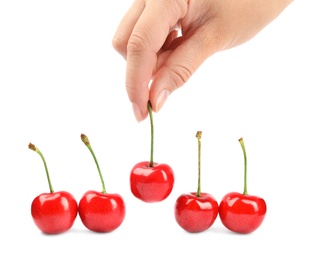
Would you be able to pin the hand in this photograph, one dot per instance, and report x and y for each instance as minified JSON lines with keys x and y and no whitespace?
{"x":165,"y":42}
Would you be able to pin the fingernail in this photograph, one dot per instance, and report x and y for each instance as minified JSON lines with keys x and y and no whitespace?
{"x":161,"y":99}
{"x":137,"y":112}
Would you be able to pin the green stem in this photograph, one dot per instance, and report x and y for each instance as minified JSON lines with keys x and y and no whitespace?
{"x":87,"y":143}
{"x":32,"y":147}
{"x":245,"y":166}
{"x":152,"y":133}
{"x":198,"y":136}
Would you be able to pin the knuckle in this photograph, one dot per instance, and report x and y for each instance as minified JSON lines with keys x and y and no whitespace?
{"x":137,"y":42}
{"x":180,"y":74}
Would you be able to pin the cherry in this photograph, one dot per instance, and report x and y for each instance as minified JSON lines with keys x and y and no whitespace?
{"x":101,"y":211}
{"x":242,"y":213}
{"x":53,"y":212}
{"x":196,"y":211}
{"x":150,"y":181}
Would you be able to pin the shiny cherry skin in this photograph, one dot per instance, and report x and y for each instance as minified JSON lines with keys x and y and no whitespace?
{"x":101,"y":212}
{"x":242,"y":213}
{"x":54,"y":212}
{"x":151,"y":184}
{"x":196,"y":214}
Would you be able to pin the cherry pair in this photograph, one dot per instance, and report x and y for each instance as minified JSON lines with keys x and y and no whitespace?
{"x":55,"y":212}
{"x":240,"y":213}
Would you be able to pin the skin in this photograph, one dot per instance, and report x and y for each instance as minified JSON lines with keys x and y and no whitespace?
{"x":165,"y":42}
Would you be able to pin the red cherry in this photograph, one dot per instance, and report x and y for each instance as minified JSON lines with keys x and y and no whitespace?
{"x":242,"y":213}
{"x":101,"y":211}
{"x":196,"y":211}
{"x":53,"y":212}
{"x":151,"y":184}
{"x":196,"y":214}
{"x":150,"y":181}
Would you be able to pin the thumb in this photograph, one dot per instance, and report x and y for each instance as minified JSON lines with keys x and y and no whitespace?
{"x":177,"y":66}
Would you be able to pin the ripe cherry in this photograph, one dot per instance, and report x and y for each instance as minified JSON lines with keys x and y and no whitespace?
{"x":101,"y":211}
{"x":150,"y":181}
{"x":196,"y":211}
{"x":53,"y":212}
{"x":242,"y":213}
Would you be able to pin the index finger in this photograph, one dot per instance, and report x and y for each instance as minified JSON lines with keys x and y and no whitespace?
{"x":147,"y":38}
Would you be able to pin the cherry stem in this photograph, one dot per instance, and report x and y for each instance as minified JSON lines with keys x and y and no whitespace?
{"x":152,"y":133}
{"x":198,"y":136}
{"x":87,"y":143}
{"x":245,"y":166}
{"x":32,"y":147}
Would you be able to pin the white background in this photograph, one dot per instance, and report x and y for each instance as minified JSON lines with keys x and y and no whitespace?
{"x":60,"y":77}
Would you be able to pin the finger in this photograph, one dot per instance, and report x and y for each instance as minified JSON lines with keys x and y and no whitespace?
{"x":147,"y":38}
{"x":125,"y":27}
{"x":170,"y":38}
{"x":178,"y":65}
